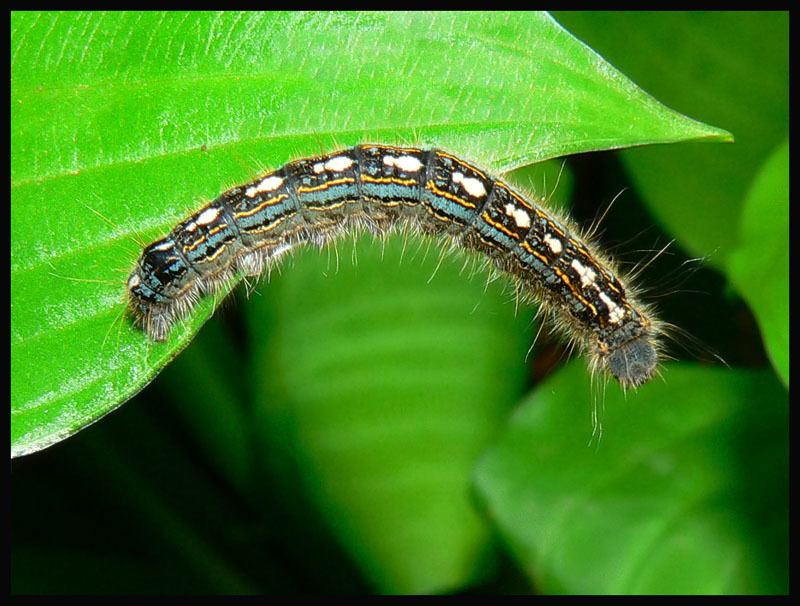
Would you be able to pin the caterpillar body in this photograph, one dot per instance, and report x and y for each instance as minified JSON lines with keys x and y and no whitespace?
{"x":313,"y":200}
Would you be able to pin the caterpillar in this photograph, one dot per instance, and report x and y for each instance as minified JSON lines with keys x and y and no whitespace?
{"x":313,"y":200}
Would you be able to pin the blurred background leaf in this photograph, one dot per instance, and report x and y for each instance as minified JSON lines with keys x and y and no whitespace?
{"x":759,"y":268}
{"x":672,"y":499}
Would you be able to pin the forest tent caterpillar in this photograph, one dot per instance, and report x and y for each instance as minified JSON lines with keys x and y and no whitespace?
{"x":313,"y":200}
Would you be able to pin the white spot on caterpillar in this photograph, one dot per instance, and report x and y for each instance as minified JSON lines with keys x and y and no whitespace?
{"x":587,"y":274}
{"x":168,"y":244}
{"x":615,"y":312}
{"x":267,"y":184}
{"x":521,"y":218}
{"x":554,"y":244}
{"x":335,"y":165}
{"x":408,"y":164}
{"x":474,"y":187}
{"x":209,"y":215}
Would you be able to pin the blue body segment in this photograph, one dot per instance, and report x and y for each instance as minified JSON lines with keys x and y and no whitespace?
{"x":392,"y":179}
{"x":455,"y":192}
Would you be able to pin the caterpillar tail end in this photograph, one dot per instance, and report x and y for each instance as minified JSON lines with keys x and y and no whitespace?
{"x":634,"y":363}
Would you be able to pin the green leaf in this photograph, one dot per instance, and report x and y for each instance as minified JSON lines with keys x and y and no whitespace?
{"x":122,"y":123}
{"x":760,"y":266}
{"x":686,"y":492}
{"x":377,"y":396}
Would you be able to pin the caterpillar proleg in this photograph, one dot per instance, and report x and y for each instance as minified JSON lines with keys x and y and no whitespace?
{"x":378,"y":187}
